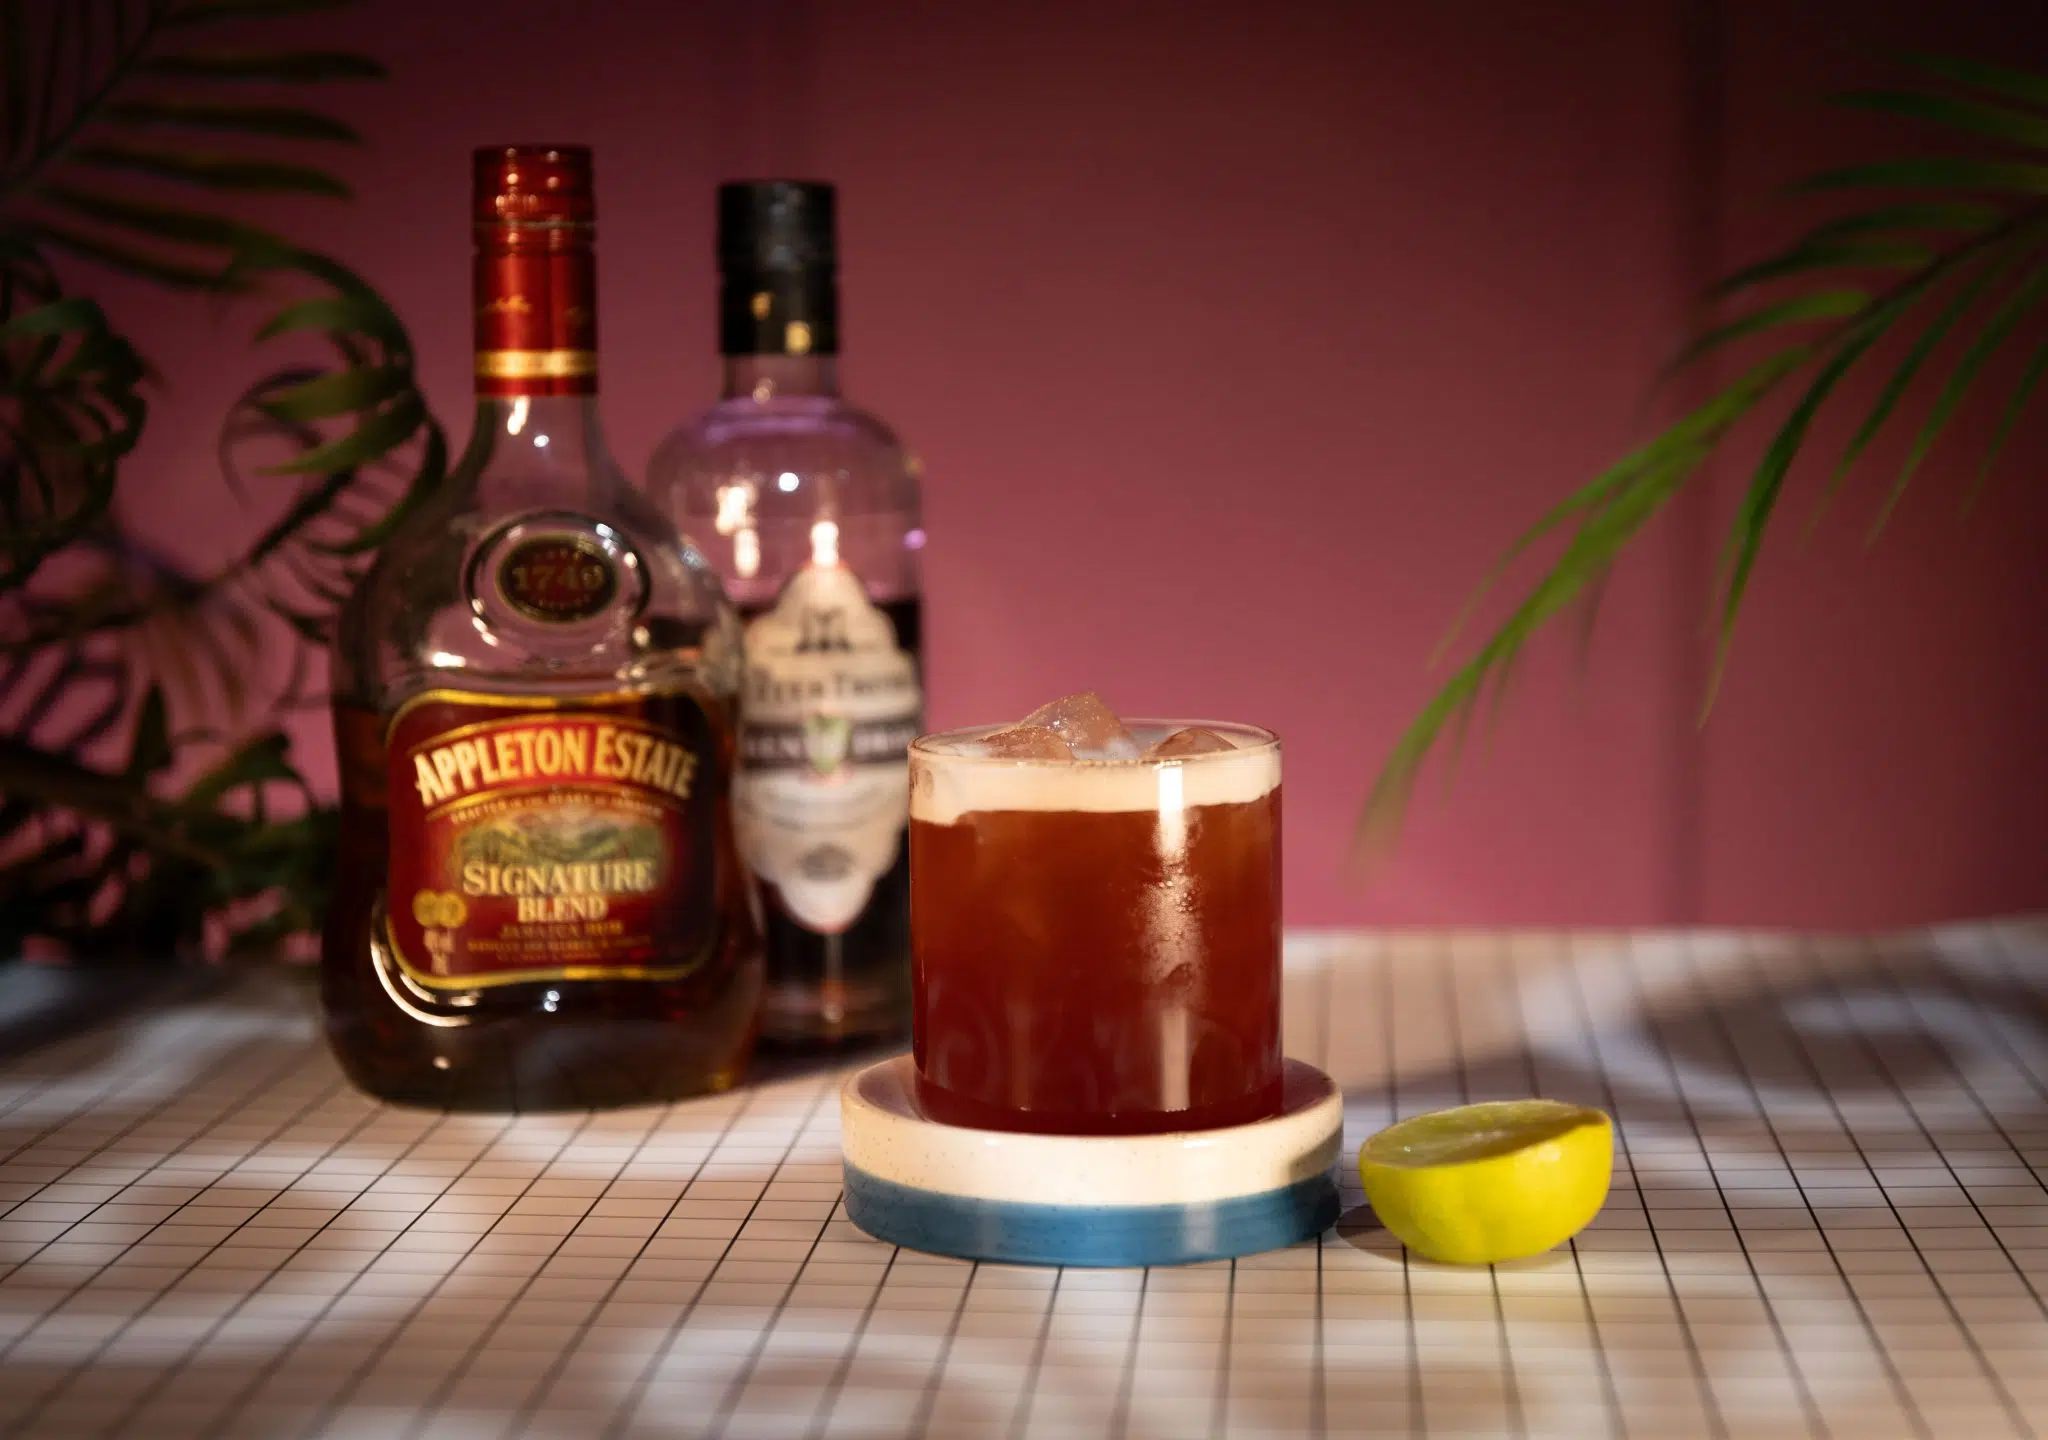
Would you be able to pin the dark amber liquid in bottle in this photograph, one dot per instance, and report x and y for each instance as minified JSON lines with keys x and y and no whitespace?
{"x":547,"y":1045}
{"x":540,"y":902}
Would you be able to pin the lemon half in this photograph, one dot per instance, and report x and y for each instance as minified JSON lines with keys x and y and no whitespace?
{"x":1479,"y":1184}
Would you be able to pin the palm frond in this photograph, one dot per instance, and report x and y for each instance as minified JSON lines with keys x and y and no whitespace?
{"x":134,"y":81}
{"x":2020,"y":85}
{"x":128,"y":141}
{"x":355,"y":441}
{"x":1952,"y":173}
{"x":1611,"y":511}
{"x":1746,"y":536}
{"x":1827,"y":254}
{"x":2018,"y":306}
{"x":211,"y":169}
{"x":361,"y":445}
{"x":286,"y":122}
{"x":2008,"y":421}
{"x":1972,"y":241}
{"x":192,"y":13}
{"x":1909,"y":218}
{"x":1908,"y":369}
{"x":1832,"y":304}
{"x":299,"y":67}
{"x":1975,"y":117}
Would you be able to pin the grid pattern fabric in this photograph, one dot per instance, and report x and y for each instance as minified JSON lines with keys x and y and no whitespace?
{"x":1828,"y":1219}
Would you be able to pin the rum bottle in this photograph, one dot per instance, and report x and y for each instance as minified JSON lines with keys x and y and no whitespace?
{"x":540,"y":903}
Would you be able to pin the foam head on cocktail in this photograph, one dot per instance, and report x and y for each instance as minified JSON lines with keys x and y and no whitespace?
{"x":1095,"y":919}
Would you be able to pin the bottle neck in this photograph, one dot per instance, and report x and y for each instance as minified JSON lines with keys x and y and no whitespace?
{"x":781,"y":377}
{"x":536,"y":311}
{"x":782,"y":313}
{"x":537,"y":436}
{"x":540,"y":449}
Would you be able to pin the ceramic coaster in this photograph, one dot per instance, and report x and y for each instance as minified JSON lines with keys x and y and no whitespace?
{"x":1122,"y":1200}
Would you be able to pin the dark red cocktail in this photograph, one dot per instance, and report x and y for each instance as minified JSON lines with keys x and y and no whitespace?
{"x":1096,"y":940}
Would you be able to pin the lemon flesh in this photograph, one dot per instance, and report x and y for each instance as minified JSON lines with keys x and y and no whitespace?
{"x":1479,"y":1184}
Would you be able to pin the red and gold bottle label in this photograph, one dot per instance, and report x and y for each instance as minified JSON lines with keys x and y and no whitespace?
{"x":536,"y":317}
{"x":537,"y":839}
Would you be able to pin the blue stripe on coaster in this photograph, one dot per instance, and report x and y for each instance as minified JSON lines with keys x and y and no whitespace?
{"x":1118,"y":1235}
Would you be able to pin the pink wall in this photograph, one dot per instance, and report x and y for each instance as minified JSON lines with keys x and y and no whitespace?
{"x":1237,"y":340}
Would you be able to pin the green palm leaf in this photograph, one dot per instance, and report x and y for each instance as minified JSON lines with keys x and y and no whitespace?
{"x":1828,"y":255}
{"x":361,"y":432}
{"x":1936,"y":172}
{"x":206,"y":12}
{"x":59,"y":190}
{"x":177,"y":224}
{"x":1611,"y":511}
{"x":279,"y":122}
{"x":378,"y":434}
{"x":212,"y":170}
{"x":2015,"y":410}
{"x":302,"y":67}
{"x":75,"y":131}
{"x":2000,"y":123}
{"x":121,"y":256}
{"x":1796,"y":310}
{"x":1912,"y":217}
{"x":2029,"y":89}
{"x":1909,"y":368}
{"x":362,"y":387}
{"x":14,"y":56}
{"x":2017,"y":307}
{"x":1746,"y":537}
{"x":360,"y":313}
{"x":1986,"y":256}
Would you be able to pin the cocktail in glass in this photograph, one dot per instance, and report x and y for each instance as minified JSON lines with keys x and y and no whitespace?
{"x":1096,"y":940}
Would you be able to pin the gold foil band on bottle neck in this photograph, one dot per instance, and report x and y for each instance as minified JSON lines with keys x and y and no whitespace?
{"x":535,"y":364}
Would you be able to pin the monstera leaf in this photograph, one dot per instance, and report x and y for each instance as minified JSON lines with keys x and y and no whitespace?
{"x":145,"y":138}
{"x":73,"y":410}
{"x":1935,"y":282}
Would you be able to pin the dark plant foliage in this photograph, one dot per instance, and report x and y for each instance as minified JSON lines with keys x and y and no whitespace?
{"x":149,"y":802}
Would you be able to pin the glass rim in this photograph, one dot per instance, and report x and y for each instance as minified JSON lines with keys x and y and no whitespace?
{"x":1265,"y":742}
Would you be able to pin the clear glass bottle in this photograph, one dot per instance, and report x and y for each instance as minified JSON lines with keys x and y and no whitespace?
{"x":808,"y":507}
{"x":539,"y":903}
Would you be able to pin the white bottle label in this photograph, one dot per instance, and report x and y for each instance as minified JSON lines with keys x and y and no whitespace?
{"x":822,"y":791}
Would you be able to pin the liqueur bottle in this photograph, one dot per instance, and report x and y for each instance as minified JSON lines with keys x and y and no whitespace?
{"x":539,"y":902}
{"x":808,"y":507}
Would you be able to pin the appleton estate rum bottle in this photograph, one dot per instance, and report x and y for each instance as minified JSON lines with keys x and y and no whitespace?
{"x":809,"y":508}
{"x":540,"y":902}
